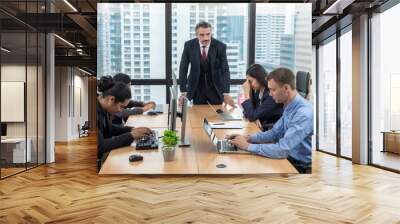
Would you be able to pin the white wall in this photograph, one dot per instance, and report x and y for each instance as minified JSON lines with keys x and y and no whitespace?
{"x":61,"y":104}
{"x":33,"y":126}
{"x":80,"y":110}
{"x":71,"y":102}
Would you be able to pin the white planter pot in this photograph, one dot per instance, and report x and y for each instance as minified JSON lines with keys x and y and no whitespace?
{"x":168,"y":153}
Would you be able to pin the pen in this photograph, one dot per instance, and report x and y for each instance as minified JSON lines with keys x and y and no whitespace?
{"x":218,"y":123}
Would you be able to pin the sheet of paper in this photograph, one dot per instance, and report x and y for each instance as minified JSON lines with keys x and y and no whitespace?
{"x":226,"y":125}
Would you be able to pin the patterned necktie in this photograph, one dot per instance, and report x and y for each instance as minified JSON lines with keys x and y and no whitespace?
{"x":203,"y":53}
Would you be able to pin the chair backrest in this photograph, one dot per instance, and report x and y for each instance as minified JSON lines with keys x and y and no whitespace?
{"x":303,"y":83}
{"x":86,"y":125}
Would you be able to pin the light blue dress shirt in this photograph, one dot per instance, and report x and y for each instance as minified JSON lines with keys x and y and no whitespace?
{"x":291,"y":134}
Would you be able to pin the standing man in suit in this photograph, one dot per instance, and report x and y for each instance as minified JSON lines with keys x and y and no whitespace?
{"x":208,"y":80}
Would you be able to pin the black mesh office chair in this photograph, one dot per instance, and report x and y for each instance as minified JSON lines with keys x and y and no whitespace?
{"x":303,"y":83}
{"x":84,"y":129}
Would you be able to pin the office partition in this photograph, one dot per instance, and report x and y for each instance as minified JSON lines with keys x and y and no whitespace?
{"x":22,"y":62}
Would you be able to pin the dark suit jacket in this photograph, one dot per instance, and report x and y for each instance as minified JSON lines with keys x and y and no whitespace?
{"x":135,"y":103}
{"x":219,"y":67}
{"x":110,"y":136}
{"x":268,"y":112}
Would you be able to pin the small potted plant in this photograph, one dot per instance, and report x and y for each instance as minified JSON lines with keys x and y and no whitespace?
{"x":170,"y":140}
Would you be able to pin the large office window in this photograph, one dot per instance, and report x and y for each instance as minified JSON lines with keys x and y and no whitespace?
{"x":327,"y":96}
{"x":131,"y":40}
{"x":385,"y":84}
{"x":132,"y":37}
{"x":283,"y":36}
{"x":230,"y":25}
{"x":346,"y":94}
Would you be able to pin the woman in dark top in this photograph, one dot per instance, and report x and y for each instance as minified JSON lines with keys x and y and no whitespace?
{"x":259,"y":105}
{"x":113,"y":98}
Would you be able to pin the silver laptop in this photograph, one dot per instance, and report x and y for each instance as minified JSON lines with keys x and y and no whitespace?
{"x":225,"y":116}
{"x":222,"y":145}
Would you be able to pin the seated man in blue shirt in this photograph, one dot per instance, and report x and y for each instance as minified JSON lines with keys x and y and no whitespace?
{"x":290,"y":137}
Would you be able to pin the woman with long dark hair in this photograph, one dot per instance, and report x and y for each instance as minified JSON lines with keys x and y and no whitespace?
{"x":259,"y":105}
{"x":113,"y":98}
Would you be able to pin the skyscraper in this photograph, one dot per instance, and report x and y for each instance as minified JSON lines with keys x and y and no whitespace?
{"x":302,"y":37}
{"x":283,"y":36}
{"x":270,"y":25}
{"x":287,"y":52}
{"x":130,"y":42}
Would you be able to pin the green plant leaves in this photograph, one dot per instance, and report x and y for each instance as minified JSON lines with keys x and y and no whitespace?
{"x":170,"y":138}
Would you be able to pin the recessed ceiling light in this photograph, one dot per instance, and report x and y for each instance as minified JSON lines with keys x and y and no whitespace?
{"x":338,"y":6}
{"x":70,"y":5}
{"x":5,"y":50}
{"x":84,"y":71}
{"x":64,"y":40}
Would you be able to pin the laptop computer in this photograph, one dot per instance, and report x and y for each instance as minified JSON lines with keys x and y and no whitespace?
{"x":221,"y":145}
{"x":225,"y":116}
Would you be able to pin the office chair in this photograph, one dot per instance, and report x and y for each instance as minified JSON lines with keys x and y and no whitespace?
{"x":84,"y":130}
{"x":264,"y":126}
{"x":303,"y":83}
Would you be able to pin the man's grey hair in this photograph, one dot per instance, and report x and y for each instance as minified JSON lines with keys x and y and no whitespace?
{"x":203,"y":24}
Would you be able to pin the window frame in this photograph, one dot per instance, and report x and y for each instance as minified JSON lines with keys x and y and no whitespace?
{"x":334,"y":37}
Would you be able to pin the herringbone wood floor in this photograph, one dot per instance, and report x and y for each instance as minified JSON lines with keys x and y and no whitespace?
{"x":70,"y":191}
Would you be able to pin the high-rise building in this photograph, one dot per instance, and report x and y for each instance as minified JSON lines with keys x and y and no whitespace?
{"x":270,"y":26}
{"x":236,"y":66}
{"x":231,"y":32}
{"x":283,"y":37}
{"x":130,"y":43}
{"x":302,"y":38}
{"x":287,"y":51}
{"x":230,"y":29}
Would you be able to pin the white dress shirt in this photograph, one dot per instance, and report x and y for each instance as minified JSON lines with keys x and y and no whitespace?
{"x":207,"y":47}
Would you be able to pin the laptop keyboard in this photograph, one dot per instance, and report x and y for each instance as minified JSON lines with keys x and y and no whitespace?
{"x":226,"y":146}
{"x":148,"y":142}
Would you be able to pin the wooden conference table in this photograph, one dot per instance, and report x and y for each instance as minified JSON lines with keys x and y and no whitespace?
{"x":199,"y":158}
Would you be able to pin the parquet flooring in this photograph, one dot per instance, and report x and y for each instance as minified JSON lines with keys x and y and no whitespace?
{"x":70,"y":191}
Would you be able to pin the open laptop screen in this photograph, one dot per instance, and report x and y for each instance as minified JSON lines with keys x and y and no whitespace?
{"x":210,"y":132}
{"x":207,"y":128}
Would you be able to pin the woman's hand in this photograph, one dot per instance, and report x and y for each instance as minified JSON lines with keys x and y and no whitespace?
{"x":140,"y":132}
{"x":246,"y":90}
